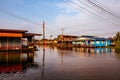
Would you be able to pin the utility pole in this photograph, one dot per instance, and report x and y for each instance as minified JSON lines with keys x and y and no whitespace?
{"x":43,"y":33}
{"x":62,"y":37}
{"x":43,"y":60}
{"x":62,"y":31}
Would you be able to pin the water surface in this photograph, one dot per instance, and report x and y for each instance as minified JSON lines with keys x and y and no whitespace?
{"x":51,"y":63}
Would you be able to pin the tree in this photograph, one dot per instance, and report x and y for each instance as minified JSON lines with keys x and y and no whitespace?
{"x":117,"y":37}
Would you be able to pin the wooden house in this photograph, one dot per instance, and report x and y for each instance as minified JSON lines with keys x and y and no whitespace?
{"x":66,"y":40}
{"x":91,"y":41}
{"x":12,"y":39}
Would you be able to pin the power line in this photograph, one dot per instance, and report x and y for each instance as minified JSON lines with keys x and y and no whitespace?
{"x":50,"y":31}
{"x":101,"y":8}
{"x":84,"y":9}
{"x":75,"y":26}
{"x":57,"y":26}
{"x":79,"y":8}
{"x":107,"y":33}
{"x":97,"y":15}
{"x":102,"y":5}
{"x":17,"y":16}
{"x":93,"y":8}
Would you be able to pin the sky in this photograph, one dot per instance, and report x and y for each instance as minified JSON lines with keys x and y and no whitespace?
{"x":77,"y":17}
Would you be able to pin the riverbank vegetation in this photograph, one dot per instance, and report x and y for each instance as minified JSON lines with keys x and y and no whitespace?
{"x":117,"y":40}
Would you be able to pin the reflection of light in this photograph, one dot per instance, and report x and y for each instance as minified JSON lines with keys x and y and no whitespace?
{"x":97,"y":50}
{"x":11,"y":68}
{"x":85,"y":51}
{"x":92,"y":50}
{"x":24,"y":56}
{"x":30,"y":54}
{"x":12,"y":62}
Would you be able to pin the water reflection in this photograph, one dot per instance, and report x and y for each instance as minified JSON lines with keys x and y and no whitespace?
{"x":94,"y":50}
{"x":12,"y":62}
{"x":90,"y":51}
{"x":117,"y":51}
{"x":61,"y":64}
{"x":43,"y":65}
{"x":79,"y":64}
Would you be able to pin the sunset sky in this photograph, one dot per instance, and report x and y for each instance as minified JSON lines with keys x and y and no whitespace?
{"x":76,"y":17}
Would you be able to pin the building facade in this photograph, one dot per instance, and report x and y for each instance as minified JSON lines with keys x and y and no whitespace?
{"x":91,"y":41}
{"x":12,"y":39}
{"x":66,"y":40}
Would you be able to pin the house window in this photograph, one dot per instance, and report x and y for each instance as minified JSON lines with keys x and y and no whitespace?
{"x":103,"y":42}
{"x":97,"y":42}
{"x":3,"y":42}
{"x":92,"y":42}
{"x":0,"y":44}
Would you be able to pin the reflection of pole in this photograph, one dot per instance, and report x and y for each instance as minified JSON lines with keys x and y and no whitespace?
{"x":20,"y":57}
{"x":43,"y":64}
{"x":43,"y":60}
{"x":6,"y":58}
{"x":7,"y":44}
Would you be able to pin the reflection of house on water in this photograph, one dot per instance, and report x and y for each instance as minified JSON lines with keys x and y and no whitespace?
{"x":94,"y":50}
{"x":70,"y":52}
{"x":10,"y":62}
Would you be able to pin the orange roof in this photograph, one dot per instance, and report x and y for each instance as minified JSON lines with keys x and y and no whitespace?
{"x":16,"y":33}
{"x":3,"y":34}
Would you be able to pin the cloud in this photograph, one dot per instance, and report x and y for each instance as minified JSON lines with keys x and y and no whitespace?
{"x":7,"y":23}
{"x":94,"y":26}
{"x":74,"y":19}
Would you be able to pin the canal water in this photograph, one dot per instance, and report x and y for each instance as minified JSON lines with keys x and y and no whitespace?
{"x":51,"y":63}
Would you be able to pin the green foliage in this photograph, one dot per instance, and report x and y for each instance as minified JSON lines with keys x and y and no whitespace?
{"x":117,"y":50}
{"x":117,"y":37}
{"x":117,"y":40}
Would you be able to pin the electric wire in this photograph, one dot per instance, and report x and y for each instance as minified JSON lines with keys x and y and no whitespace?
{"x":102,"y":14}
{"x":105,"y":7}
{"x":101,"y":8}
{"x":17,"y":16}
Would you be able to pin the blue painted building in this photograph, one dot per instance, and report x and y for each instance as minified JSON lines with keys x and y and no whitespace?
{"x":92,"y":41}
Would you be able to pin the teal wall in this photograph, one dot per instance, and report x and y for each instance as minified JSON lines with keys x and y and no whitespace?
{"x":100,"y":43}
{"x":105,"y":43}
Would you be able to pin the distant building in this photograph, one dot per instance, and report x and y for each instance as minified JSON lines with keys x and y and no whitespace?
{"x":12,"y":39}
{"x":66,"y":37}
{"x":92,"y":41}
{"x":66,"y":40}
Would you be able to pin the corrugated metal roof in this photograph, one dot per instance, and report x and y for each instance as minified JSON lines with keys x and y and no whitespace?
{"x":68,"y":36}
{"x":84,"y":38}
{"x":12,"y":30}
{"x":90,"y":38}
{"x":31,"y":34}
